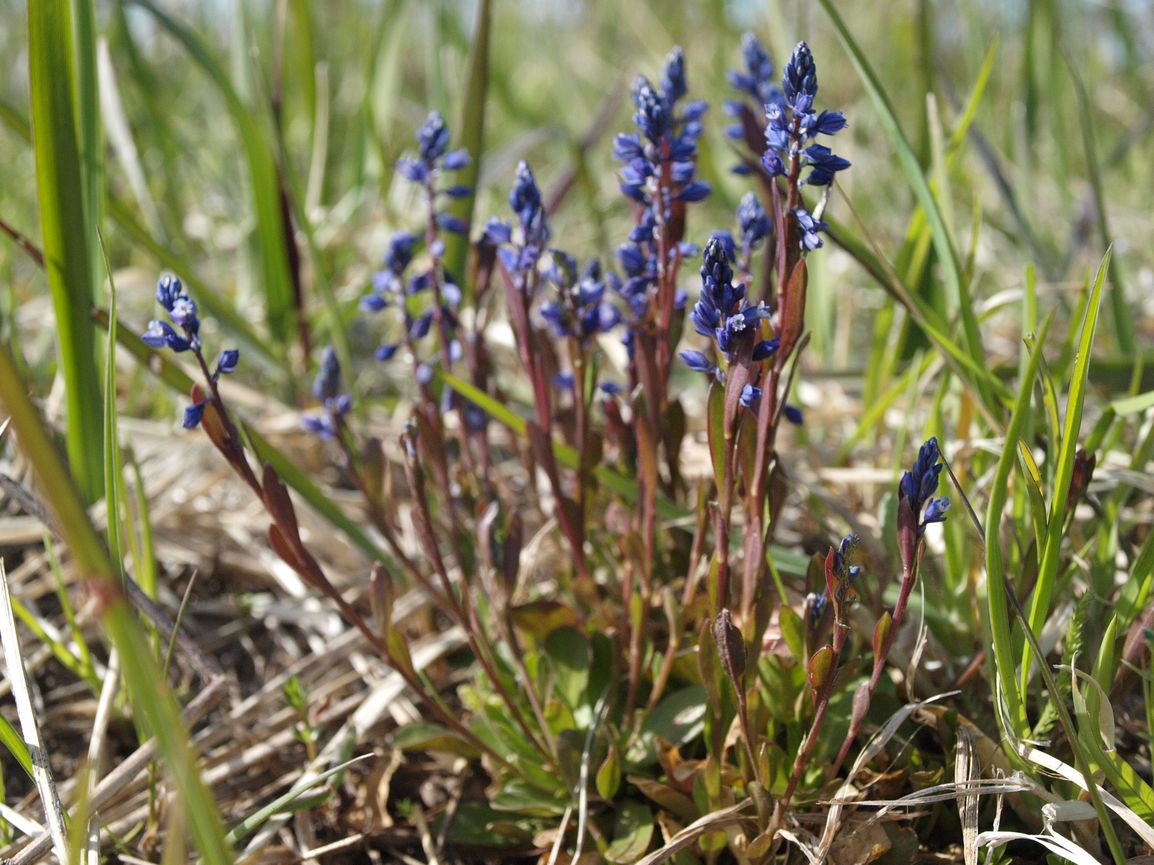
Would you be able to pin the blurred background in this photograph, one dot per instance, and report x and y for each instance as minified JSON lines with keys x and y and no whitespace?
{"x":1068,"y":97}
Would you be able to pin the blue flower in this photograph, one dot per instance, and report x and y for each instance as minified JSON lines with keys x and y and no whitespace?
{"x":723,"y":313}
{"x":519,"y":253}
{"x":756,"y":79}
{"x":697,"y":361}
{"x":673,"y":84}
{"x":650,"y":113}
{"x":580,"y":311}
{"x":168,"y":290}
{"x":227,"y":363}
{"x":433,"y":138}
{"x":753,"y":224}
{"x":918,"y":485}
{"x":800,"y":78}
{"x":182,"y":310}
{"x":193,"y":414}
{"x":792,"y":121}
{"x":160,"y":334}
{"x":327,"y":389}
{"x":810,"y":228}
{"x":667,"y":133}
{"x":327,"y":384}
{"x":825,"y":164}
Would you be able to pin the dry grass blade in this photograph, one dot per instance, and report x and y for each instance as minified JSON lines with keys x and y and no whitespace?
{"x":1056,"y":844}
{"x":873,"y":747}
{"x":966,"y":771}
{"x":41,"y":771}
{"x":1069,"y":773}
{"x":709,"y":823}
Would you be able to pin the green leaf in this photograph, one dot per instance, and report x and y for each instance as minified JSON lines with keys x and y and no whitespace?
{"x":285,"y":802}
{"x":997,"y":601}
{"x":11,"y":739}
{"x":1133,"y":404}
{"x":476,"y":824}
{"x":609,"y":775}
{"x":570,"y":656}
{"x":67,"y":231}
{"x":715,"y":426}
{"x":539,"y":618}
{"x":1076,"y":395}
{"x":792,"y":631}
{"x":632,"y":833}
{"x":680,"y":717}
{"x":432,"y":737}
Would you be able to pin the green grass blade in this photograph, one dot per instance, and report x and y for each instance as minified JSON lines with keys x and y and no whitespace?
{"x":156,"y":707}
{"x":1076,"y":395}
{"x":212,"y":301}
{"x":113,"y":469}
{"x":285,"y":801}
{"x":998,"y":608}
{"x":947,"y":256}
{"x":11,"y":739}
{"x":88,"y":117}
{"x":472,"y":138}
{"x":275,"y":280}
{"x":1120,"y":312}
{"x":67,"y":231}
{"x":974,"y":372}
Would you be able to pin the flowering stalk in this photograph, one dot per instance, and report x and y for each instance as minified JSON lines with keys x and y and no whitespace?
{"x":518,"y":257}
{"x":460,"y":605}
{"x":659,"y":177}
{"x":182,"y":311}
{"x":789,"y":129}
{"x":917,"y":508}
{"x":211,"y":413}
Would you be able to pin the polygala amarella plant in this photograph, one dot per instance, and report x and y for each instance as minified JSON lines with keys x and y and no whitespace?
{"x":596,"y":662}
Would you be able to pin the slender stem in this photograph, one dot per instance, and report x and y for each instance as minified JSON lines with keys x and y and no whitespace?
{"x":841,"y":629}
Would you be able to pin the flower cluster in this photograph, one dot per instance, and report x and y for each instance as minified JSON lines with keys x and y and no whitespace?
{"x":182,"y":311}
{"x":666,"y":140}
{"x":327,"y":389}
{"x":753,"y":225}
{"x":725,"y":315}
{"x":917,"y":487}
{"x":791,"y":127}
{"x":434,"y":157}
{"x":754,"y":80}
{"x":389,"y":286}
{"x":580,"y":311}
{"x":391,"y":289}
{"x":638,"y":258}
{"x":519,"y":252}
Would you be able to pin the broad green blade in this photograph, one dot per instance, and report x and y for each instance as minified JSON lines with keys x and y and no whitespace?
{"x":67,"y":231}
{"x":156,"y":710}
